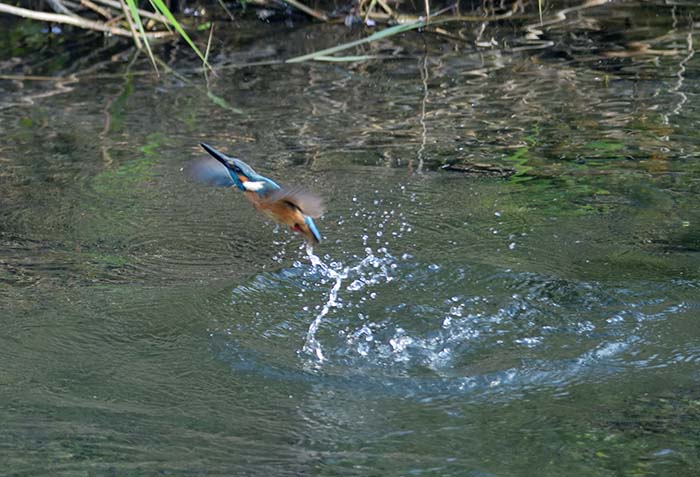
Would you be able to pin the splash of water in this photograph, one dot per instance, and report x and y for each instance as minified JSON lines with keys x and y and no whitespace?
{"x":312,"y":345}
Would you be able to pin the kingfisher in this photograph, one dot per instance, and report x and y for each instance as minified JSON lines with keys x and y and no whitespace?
{"x":292,"y":206}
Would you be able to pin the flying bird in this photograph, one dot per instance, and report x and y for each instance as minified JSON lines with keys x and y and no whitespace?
{"x":292,"y":206}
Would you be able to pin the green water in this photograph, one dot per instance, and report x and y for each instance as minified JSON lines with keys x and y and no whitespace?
{"x":543,"y":324}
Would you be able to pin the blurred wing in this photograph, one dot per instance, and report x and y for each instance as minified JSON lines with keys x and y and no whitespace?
{"x":309,"y":203}
{"x":209,"y":171}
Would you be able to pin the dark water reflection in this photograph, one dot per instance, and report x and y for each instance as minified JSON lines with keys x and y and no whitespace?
{"x":541,"y":324}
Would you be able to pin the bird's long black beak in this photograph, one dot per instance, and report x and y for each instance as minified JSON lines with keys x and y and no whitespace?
{"x":219,"y":156}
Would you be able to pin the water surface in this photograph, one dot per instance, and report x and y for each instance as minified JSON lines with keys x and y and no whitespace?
{"x":544,"y":323}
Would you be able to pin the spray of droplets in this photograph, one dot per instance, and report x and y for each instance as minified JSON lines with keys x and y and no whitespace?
{"x":337,"y":274}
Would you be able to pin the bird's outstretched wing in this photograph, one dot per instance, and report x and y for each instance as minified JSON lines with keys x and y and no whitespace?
{"x":209,"y":171}
{"x":309,"y":203}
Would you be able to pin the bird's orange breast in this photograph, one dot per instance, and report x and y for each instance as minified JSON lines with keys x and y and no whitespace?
{"x":280,"y":211}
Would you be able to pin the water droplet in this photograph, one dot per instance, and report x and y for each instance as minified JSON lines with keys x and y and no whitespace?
{"x":356,"y":285}
{"x":616,"y":319}
{"x":529,"y":342}
{"x":456,"y":310}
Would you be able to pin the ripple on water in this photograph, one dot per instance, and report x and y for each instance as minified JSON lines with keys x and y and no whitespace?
{"x":397,"y":324}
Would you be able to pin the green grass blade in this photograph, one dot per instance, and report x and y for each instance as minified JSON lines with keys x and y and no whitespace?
{"x":387,"y":32}
{"x":165,"y":11}
{"x":345,"y":59}
{"x":133,"y":9}
{"x":222,"y":103}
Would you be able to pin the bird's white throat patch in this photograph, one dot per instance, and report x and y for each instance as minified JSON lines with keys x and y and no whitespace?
{"x":253,"y":186}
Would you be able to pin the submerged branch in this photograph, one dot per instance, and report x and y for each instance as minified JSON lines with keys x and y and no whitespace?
{"x":75,"y":21}
{"x":96,"y":8}
{"x":58,"y":7}
{"x":308,"y":10}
